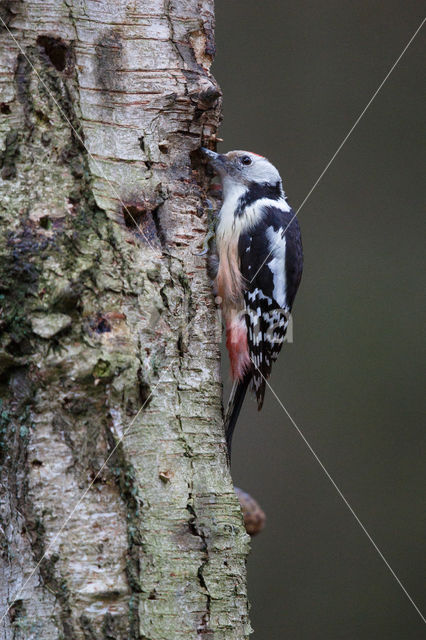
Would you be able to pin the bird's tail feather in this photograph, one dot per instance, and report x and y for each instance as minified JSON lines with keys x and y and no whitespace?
{"x":235,"y":402}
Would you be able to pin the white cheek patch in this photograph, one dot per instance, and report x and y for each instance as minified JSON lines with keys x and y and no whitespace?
{"x":261,"y":170}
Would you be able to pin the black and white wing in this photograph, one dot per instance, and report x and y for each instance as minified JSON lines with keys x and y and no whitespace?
{"x":271,"y":262}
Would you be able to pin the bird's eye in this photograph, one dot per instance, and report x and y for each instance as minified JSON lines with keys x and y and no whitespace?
{"x":246,"y":160}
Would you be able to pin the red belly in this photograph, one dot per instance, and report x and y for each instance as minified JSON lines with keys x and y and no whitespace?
{"x":236,"y":343}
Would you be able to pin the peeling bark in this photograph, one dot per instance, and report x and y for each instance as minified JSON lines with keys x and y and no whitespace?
{"x":109,"y":346}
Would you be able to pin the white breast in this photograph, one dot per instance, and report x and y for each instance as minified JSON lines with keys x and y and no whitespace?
{"x":229,"y":225}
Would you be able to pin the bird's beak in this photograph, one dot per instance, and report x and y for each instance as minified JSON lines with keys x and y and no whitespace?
{"x":216,"y":160}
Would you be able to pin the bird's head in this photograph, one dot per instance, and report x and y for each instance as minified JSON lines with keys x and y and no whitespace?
{"x":242,"y":169}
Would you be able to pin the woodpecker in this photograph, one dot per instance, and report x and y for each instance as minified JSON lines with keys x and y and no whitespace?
{"x":258,"y":270}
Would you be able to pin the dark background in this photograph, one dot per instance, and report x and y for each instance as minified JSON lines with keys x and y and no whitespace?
{"x":295,"y":76}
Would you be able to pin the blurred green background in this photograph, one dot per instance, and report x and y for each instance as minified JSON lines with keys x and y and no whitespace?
{"x":295,"y":76}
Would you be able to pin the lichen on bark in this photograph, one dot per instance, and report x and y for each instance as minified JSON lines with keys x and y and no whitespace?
{"x":109,"y":347}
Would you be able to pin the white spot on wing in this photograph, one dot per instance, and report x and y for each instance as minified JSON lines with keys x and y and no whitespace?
{"x":277,"y":245}
{"x":231,"y":225}
{"x":281,"y":204}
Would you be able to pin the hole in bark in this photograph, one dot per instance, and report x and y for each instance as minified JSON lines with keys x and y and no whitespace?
{"x":45,"y":222}
{"x":16,"y":611}
{"x":107,"y":596}
{"x":197,"y":159}
{"x":45,"y":139}
{"x":103,"y":326}
{"x":144,"y":389}
{"x":131,"y":408}
{"x":77,"y":405}
{"x":149,"y":164}
{"x":181,"y":346}
{"x":152,"y":595}
{"x":74,"y":196}
{"x":19,"y":347}
{"x":200,"y":166}
{"x":141,"y":143}
{"x":133,"y":216}
{"x":4,"y":108}
{"x":158,"y":227}
{"x":37,"y":463}
{"x":100,"y":324}
{"x":55,"y":49}
{"x":141,"y":217}
{"x":163,"y":146}
{"x":96,"y":478}
{"x":41,"y":116}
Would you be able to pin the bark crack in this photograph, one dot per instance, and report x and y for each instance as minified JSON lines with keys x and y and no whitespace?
{"x":167,"y":14}
{"x":203,"y":627}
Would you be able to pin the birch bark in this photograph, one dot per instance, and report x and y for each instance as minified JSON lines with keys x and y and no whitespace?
{"x":109,"y":347}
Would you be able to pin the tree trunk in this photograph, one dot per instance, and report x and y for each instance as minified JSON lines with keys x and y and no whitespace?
{"x":118,"y":515}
